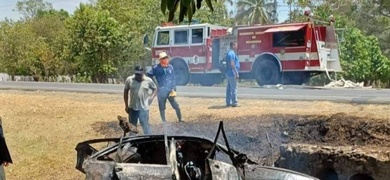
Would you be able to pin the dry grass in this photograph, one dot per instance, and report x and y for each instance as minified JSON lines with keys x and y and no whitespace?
{"x":43,"y":128}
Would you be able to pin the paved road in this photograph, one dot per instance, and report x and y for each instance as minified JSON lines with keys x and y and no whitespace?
{"x":375,"y":96}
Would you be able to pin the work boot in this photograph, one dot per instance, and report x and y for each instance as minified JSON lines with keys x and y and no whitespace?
{"x":162,"y":115}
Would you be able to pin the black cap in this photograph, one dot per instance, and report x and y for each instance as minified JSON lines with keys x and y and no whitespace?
{"x":138,"y":70}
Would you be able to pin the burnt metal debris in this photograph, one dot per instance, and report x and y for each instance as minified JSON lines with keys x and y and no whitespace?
{"x":161,"y":157}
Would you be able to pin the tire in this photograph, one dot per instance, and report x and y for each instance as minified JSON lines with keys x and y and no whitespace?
{"x":267,"y":73}
{"x":181,"y":72}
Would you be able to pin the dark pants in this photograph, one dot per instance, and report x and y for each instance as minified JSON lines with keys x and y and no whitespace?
{"x":162,"y":98}
{"x":142,"y":116}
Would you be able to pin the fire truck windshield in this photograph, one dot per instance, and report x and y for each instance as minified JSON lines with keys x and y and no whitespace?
{"x":163,"y":38}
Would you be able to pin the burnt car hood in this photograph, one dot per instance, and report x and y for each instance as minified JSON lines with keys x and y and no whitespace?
{"x":172,"y":157}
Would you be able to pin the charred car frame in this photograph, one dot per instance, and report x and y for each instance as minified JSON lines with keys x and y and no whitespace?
{"x":172,"y":157}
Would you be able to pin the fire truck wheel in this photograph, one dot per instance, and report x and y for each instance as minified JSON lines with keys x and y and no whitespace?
{"x":267,"y":73}
{"x":181,"y":72}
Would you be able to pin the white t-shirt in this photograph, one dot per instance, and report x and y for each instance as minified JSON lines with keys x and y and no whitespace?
{"x":139,"y":92}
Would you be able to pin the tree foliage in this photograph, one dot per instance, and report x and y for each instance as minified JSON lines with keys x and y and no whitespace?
{"x":97,"y":40}
{"x":220,"y":15}
{"x":362,"y":58}
{"x":254,"y":12}
{"x":16,"y":48}
{"x":187,"y":8}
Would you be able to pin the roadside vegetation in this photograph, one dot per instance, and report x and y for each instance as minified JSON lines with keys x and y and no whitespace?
{"x":102,"y":40}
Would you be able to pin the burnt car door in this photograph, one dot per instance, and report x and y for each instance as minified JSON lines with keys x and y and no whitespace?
{"x":85,"y":150}
{"x":130,"y":171}
{"x":222,"y":171}
{"x":168,"y":171}
{"x":126,"y":160}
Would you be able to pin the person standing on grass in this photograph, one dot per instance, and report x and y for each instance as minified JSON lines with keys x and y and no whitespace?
{"x":232,"y":75}
{"x":166,"y":82}
{"x":138,"y":105}
{"x":5,"y":157}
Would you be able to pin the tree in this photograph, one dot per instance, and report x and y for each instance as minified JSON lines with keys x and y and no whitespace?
{"x":97,"y":41}
{"x":377,"y":12}
{"x":254,"y":12}
{"x":31,"y":8}
{"x":187,"y":8}
{"x":362,"y":59}
{"x":17,"y":46}
{"x":219,"y":16}
{"x":50,"y":27}
{"x":138,"y":18}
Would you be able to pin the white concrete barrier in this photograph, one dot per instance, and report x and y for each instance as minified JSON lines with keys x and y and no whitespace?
{"x":4,"y":77}
{"x":60,"y":78}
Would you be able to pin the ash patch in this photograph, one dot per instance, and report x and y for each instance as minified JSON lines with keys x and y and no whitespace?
{"x":338,"y":129}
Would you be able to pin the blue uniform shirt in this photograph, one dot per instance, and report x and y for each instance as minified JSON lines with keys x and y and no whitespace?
{"x":231,"y":56}
{"x":165,"y":77}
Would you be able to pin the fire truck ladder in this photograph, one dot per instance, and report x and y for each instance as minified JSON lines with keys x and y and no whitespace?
{"x":323,"y":53}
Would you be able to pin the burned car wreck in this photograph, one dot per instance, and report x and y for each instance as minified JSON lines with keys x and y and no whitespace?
{"x":172,"y":157}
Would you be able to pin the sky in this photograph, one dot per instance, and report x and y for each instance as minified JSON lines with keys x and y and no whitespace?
{"x":7,"y":7}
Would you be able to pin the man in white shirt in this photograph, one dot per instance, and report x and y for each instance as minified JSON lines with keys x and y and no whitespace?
{"x":138,"y":85}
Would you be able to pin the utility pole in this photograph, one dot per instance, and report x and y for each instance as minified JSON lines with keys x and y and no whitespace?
{"x":271,"y":7}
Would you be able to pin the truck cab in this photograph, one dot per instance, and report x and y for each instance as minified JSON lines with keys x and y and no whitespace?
{"x":189,"y":49}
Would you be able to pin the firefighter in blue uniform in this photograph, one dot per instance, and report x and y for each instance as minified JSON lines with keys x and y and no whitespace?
{"x":165,"y":77}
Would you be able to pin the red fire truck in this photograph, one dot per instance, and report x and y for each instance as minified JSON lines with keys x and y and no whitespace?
{"x":271,"y":54}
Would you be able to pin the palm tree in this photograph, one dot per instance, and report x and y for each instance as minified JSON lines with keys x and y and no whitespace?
{"x":254,"y":12}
